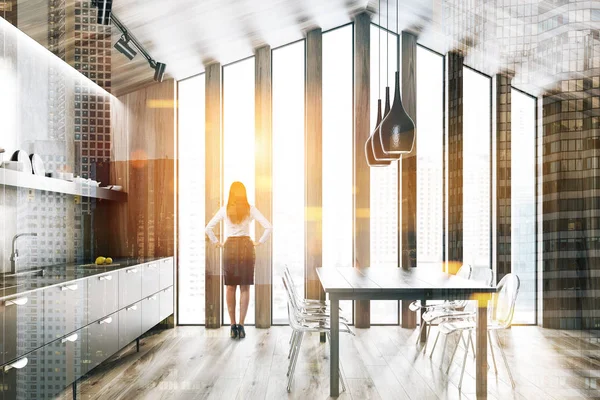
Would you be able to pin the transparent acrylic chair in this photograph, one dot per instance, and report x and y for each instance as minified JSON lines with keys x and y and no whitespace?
{"x":459,"y":309}
{"x":440,"y":305}
{"x":501,"y":310}
{"x":302,"y":323}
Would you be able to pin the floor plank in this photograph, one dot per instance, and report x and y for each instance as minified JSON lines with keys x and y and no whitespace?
{"x":378,"y":363}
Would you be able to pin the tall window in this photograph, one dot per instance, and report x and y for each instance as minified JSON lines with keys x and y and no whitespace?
{"x":191,"y":201}
{"x":238,"y":141}
{"x":337,"y":152}
{"x":476,"y":168}
{"x":288,"y":172}
{"x":430,"y":157}
{"x":384,"y":180}
{"x":523,"y":212}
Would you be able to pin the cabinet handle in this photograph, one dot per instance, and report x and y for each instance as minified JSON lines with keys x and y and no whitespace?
{"x":152,"y":298}
{"x":131,"y":271}
{"x":106,"y":278}
{"x":152,"y":265}
{"x":22,"y":363}
{"x":68,"y":287}
{"x":71,"y":338}
{"x":131,"y":308}
{"x":21,"y":301}
{"x":106,"y":321}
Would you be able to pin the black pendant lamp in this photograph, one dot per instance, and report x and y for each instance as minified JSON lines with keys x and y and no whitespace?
{"x":372,"y":161}
{"x":378,"y":151}
{"x":397,"y":130}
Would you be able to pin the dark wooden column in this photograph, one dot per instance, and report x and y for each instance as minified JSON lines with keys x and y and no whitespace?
{"x":362,"y":174}
{"x":213,"y":192}
{"x":503,"y":178}
{"x":408,"y":205}
{"x":264,"y":182}
{"x":455,"y":161}
{"x":313,"y":130}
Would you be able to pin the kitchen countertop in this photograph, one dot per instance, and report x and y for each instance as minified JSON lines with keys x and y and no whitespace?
{"x":64,"y":273}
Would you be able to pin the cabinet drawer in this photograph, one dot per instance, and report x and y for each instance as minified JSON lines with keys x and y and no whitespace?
{"x":102,"y":340}
{"x":166,"y":303}
{"x":166,"y":273}
{"x":130,"y":286}
{"x":65,"y":309}
{"x":130,"y":324}
{"x":150,"y":312}
{"x":102,"y":295}
{"x":24,"y":378}
{"x":150,"y":278}
{"x":64,"y":361}
{"x":23,"y":320}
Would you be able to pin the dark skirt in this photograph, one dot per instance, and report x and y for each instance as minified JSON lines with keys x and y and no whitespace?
{"x":238,"y":261}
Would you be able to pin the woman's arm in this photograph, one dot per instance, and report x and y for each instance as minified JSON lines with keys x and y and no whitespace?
{"x":212,"y":223}
{"x":257,"y":215}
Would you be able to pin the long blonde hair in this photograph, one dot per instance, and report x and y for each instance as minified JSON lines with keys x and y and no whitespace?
{"x":238,"y":208}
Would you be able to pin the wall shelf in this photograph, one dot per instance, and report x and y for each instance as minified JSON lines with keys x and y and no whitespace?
{"x":29,"y":181}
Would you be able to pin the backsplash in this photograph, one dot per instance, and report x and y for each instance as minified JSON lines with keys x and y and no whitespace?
{"x":49,"y":108}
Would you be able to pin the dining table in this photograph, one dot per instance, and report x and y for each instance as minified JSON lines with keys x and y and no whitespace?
{"x":423,"y":283}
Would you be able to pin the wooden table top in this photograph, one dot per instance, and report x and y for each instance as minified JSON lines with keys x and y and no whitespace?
{"x":421,"y":283}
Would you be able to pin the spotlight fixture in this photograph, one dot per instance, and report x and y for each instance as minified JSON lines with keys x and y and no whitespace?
{"x":123,"y":46}
{"x":104,"y":11}
{"x":159,"y":71}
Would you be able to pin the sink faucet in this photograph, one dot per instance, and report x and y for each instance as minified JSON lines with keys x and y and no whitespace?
{"x":14,"y":256}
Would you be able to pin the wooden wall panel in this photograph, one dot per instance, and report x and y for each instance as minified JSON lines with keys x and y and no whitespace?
{"x":408,"y":206}
{"x":213,"y":192}
{"x":362,"y":173}
{"x":313,"y":163}
{"x":264,"y":182}
{"x":145,"y":225}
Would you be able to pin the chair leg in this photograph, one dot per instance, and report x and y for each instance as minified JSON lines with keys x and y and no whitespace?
{"x":492,"y":351}
{"x":295,"y":351}
{"x":444,"y":350}
{"x":420,"y":331}
{"x":454,"y":351}
{"x":434,"y":343}
{"x":512,"y":381}
{"x":294,"y":361}
{"x":426,"y":338}
{"x":462,"y":373}
{"x":291,"y":344}
{"x":342,"y":381}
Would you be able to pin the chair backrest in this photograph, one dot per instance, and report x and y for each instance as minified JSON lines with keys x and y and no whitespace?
{"x":504,"y":300}
{"x":464,"y":271}
{"x":483,"y":274}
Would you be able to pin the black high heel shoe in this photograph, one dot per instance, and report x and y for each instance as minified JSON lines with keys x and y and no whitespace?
{"x":241,"y":331}
{"x":234,"y":331}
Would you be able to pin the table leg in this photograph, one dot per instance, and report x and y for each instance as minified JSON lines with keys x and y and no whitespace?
{"x":334,"y":344}
{"x":423,"y":330}
{"x":481,"y":371}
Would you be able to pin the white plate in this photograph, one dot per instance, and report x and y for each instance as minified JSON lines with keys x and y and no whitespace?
{"x":22,"y":156}
{"x":37,"y":165}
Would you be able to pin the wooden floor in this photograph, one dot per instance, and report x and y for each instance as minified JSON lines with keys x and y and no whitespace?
{"x":379,"y":363}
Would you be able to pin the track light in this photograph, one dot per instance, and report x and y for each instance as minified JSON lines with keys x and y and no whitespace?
{"x":123,"y":46}
{"x":104,"y":10}
{"x":159,"y":71}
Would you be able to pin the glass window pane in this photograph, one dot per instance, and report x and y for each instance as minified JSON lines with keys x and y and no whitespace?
{"x":191,"y":201}
{"x":384,"y":180}
{"x":288,"y":172}
{"x":337,"y":150}
{"x":238,"y":142}
{"x":523,"y":238}
{"x":476,"y":168}
{"x":430,"y":169}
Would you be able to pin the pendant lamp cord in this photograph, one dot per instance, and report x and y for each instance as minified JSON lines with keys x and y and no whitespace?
{"x":387,"y":43}
{"x":379,"y":55}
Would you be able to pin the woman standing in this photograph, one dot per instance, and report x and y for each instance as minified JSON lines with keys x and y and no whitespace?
{"x":238,"y":254}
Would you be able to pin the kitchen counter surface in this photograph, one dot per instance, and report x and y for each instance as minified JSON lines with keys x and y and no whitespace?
{"x":63,"y":273}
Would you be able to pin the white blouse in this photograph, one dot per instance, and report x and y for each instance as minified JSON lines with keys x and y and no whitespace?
{"x":241,"y":229}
